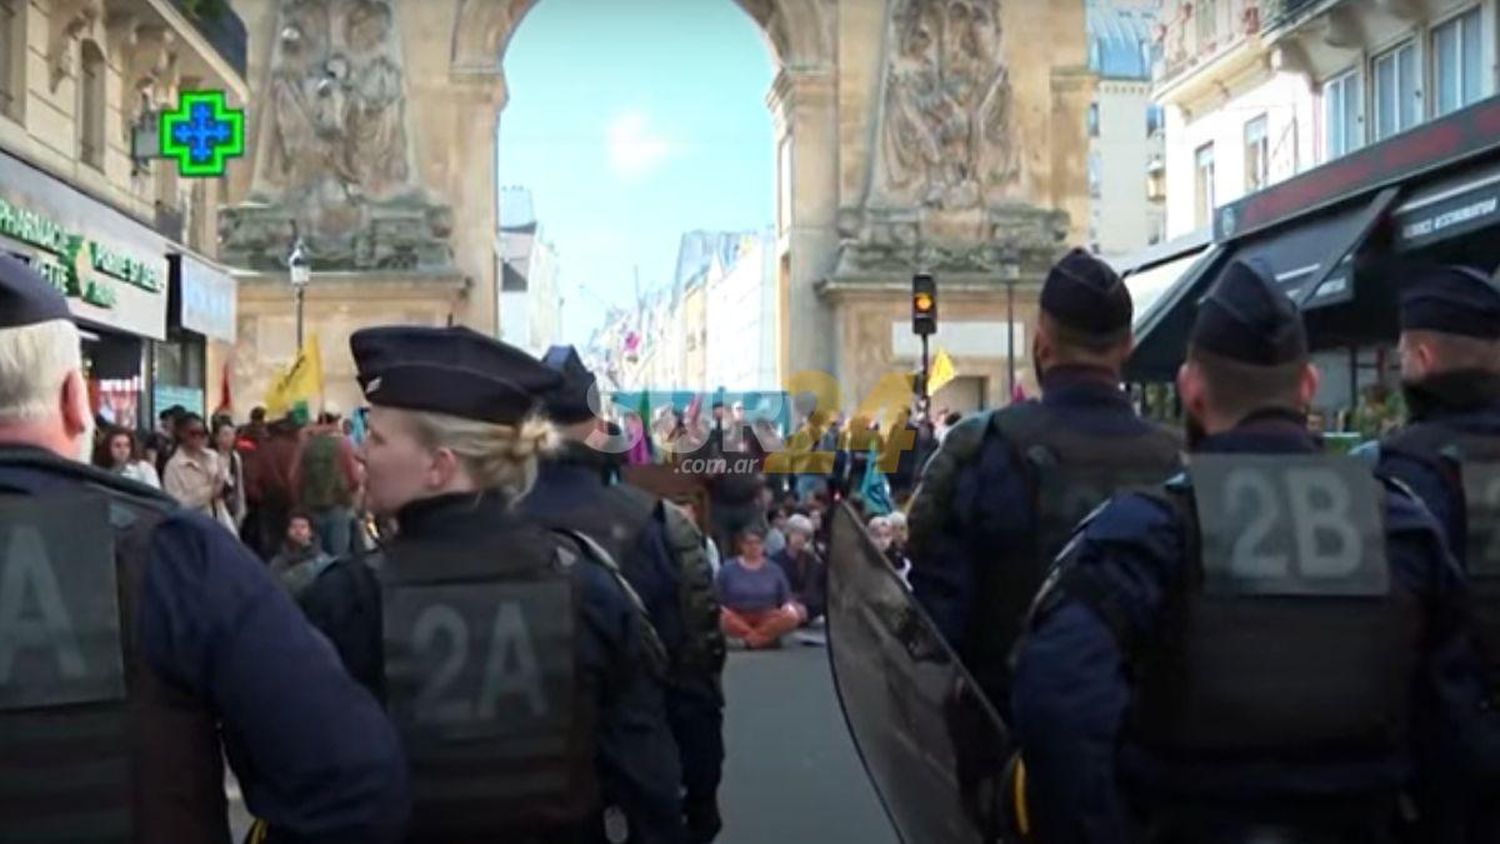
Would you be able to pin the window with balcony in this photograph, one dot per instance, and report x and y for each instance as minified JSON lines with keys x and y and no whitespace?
{"x":1257,"y":154}
{"x":1393,"y":78}
{"x":90,"y":117}
{"x":1203,"y":185}
{"x":1456,"y":69}
{"x":1343,"y":130}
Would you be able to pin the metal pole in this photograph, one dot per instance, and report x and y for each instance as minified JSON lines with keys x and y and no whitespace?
{"x":926,"y":397}
{"x":1010,"y":339}
{"x":300,"y":291}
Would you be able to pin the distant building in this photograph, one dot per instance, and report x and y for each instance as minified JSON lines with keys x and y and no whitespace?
{"x":1124,"y":127}
{"x":530,"y":300}
{"x":741,"y":317}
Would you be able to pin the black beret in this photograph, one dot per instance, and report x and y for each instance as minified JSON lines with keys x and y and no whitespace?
{"x":456,"y":371}
{"x":1247,"y":318}
{"x":569,"y":402}
{"x":25,"y":297}
{"x":1083,"y":293}
{"x":1452,"y":300}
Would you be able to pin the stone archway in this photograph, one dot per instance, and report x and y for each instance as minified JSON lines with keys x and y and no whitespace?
{"x":799,"y":36}
{"x":912,"y":135}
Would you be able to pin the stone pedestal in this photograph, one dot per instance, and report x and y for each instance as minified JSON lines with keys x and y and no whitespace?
{"x":335,"y":306}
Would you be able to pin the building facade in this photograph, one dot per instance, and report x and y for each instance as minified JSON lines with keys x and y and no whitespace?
{"x":530,"y":300}
{"x":1256,"y":91}
{"x":128,"y":241}
{"x":1123,"y":127}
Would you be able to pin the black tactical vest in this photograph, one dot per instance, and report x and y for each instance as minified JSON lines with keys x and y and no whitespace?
{"x":484,"y":684}
{"x":1471,"y":465}
{"x":703,"y":650}
{"x":93,"y":745}
{"x":1286,"y":636}
{"x":1069,"y":474}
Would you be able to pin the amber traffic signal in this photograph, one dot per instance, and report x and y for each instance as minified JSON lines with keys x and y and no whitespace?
{"x":923,"y":304}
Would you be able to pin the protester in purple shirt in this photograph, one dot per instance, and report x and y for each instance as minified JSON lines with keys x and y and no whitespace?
{"x":756,"y":598}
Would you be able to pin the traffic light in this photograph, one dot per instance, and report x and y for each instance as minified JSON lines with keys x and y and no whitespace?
{"x":923,"y":304}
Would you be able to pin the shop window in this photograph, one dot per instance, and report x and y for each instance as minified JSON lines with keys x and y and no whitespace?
{"x":1203,"y":185}
{"x":12,"y":56}
{"x":1456,"y":71}
{"x":1341,"y":101}
{"x":1393,"y":78}
{"x":91,"y":77}
{"x":1257,"y":154}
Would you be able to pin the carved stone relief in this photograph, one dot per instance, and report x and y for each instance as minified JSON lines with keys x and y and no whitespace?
{"x":334,"y":162}
{"x":946,"y":139}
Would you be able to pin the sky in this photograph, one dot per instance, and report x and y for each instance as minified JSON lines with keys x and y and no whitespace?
{"x":632,"y":122}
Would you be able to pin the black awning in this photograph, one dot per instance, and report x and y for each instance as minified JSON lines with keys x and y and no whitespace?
{"x":1448,"y":208}
{"x":1313,"y":258}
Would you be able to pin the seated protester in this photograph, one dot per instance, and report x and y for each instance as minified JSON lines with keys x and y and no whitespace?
{"x":301,"y":559}
{"x":776,"y":536}
{"x":756,"y":599}
{"x":804,"y":569}
{"x":885,"y":537}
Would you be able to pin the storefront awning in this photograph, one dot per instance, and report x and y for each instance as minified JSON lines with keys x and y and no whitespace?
{"x":1313,"y":260}
{"x":1447,"y":208}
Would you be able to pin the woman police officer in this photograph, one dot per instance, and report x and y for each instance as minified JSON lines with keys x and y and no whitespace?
{"x":513,"y":660}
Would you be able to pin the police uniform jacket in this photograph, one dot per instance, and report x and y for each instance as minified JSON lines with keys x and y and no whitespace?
{"x":314,"y":755}
{"x":1089,"y":779}
{"x":958,"y":539}
{"x":636,"y":758}
{"x":570,"y":493}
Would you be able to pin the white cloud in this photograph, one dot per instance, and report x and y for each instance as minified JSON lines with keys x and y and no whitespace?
{"x":634,"y":146}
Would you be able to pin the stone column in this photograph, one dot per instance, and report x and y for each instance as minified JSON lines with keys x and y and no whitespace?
{"x":803,"y":105}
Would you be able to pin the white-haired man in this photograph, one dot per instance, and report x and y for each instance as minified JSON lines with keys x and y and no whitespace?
{"x":139,"y":642}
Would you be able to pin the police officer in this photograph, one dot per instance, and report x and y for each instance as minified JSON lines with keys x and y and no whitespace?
{"x":1450,"y":456}
{"x":1239,"y":655}
{"x":999,"y":498}
{"x":661,"y":553}
{"x":510,"y":657}
{"x":136,"y":637}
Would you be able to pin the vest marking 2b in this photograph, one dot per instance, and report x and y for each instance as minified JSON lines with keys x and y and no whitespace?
{"x":1289,"y":525}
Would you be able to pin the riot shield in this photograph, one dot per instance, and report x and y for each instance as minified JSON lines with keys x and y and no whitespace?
{"x":933,"y":747}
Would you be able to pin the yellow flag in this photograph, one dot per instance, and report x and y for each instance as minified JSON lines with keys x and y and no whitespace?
{"x":302,"y":383}
{"x":942,"y":372}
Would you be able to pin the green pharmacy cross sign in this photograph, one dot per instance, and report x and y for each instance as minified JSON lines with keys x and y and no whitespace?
{"x":202,"y":133}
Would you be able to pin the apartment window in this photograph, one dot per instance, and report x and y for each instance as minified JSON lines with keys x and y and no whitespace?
{"x":1257,"y":154}
{"x":1207,"y":13}
{"x":1093,"y":120}
{"x":1341,"y":97}
{"x":1203,"y":185}
{"x":1095,"y":176}
{"x":90,"y":117}
{"x":1155,"y":119}
{"x":1456,"y":70}
{"x":1393,"y":76}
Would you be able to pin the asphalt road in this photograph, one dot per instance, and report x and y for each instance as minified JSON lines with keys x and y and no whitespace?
{"x":792,"y":776}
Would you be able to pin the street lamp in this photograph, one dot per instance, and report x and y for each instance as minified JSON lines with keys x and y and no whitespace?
{"x":301,"y":274}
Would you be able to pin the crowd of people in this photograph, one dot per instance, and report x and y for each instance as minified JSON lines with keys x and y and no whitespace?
{"x":287,"y":489}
